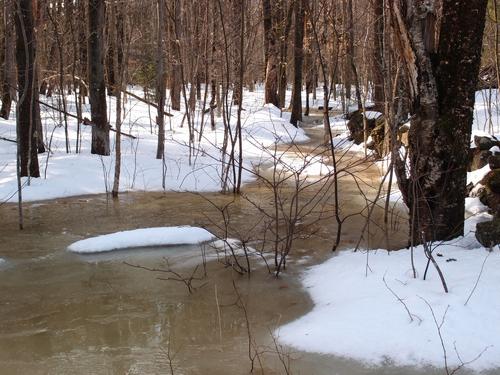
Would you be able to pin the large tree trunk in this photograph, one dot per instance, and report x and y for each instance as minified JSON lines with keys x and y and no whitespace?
{"x":271,"y":56}
{"x":7,"y":75}
{"x":298,"y":59}
{"x":28,"y":110}
{"x":443,"y":78}
{"x":100,"y":128}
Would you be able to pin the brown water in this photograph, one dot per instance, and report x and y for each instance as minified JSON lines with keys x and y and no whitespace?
{"x":62,"y":313}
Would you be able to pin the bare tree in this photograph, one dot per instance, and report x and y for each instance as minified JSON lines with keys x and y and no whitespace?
{"x":100,"y":127}
{"x":436,"y":54}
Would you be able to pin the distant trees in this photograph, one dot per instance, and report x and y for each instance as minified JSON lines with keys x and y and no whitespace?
{"x":401,"y":56}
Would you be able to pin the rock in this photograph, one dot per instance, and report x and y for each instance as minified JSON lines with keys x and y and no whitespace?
{"x":494,"y":181}
{"x":485,"y":143}
{"x":356,"y":126}
{"x":477,"y":159}
{"x":488,"y":233}
{"x":490,"y":193}
{"x":494,"y":161}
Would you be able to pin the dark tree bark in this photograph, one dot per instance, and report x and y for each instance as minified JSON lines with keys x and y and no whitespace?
{"x":97,"y":87}
{"x":28,"y":110}
{"x":443,"y":78}
{"x":160,"y":81}
{"x":271,"y":55}
{"x":298,"y":59}
{"x":8,"y":81}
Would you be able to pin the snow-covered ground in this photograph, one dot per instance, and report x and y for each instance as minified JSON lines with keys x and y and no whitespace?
{"x":69,"y":174}
{"x":161,"y":236}
{"x":369,"y":307}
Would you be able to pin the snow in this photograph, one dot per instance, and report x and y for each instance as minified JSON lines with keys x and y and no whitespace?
{"x":495,"y":150}
{"x":161,"y":236}
{"x":356,"y":316}
{"x":476,"y":176}
{"x":81,"y":174}
{"x":372,"y":115}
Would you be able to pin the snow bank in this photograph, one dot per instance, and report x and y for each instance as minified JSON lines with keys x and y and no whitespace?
{"x":161,"y":236}
{"x":357,"y":316}
{"x":80,"y":174}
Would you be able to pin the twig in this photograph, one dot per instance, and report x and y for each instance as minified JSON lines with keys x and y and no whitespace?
{"x":400,"y":300}
{"x":477,"y":280}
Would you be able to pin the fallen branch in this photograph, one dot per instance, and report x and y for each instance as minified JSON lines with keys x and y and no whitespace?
{"x":84,"y":121}
{"x":137,"y":97}
{"x":8,"y":140}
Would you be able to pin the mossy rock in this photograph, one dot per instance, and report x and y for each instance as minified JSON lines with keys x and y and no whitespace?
{"x":488,"y":233}
{"x":356,"y":126}
{"x":485,"y":143}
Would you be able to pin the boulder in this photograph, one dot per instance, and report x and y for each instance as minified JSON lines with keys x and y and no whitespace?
{"x":488,"y":233}
{"x":484,"y":143}
{"x":477,"y":158}
{"x":493,"y":181}
{"x":356,"y":126}
{"x":490,"y":193}
{"x":494,"y":161}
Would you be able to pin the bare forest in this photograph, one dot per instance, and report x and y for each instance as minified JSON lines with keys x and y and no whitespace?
{"x":303,"y":185}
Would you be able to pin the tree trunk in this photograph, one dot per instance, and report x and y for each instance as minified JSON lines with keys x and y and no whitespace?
{"x":28,"y":109}
{"x":175,"y":73}
{"x":160,"y":81}
{"x":298,"y":58}
{"x":100,"y":128}
{"x":237,"y":27}
{"x":443,"y":78}
{"x":378,"y":62}
{"x":7,"y":75}
{"x":271,"y":54}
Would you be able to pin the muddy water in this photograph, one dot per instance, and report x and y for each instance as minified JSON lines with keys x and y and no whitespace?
{"x":62,"y":313}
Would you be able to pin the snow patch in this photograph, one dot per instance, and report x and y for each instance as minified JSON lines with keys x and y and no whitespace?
{"x":356,"y":315}
{"x":161,"y":236}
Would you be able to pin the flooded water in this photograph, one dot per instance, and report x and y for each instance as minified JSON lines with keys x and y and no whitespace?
{"x":63,"y":313}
